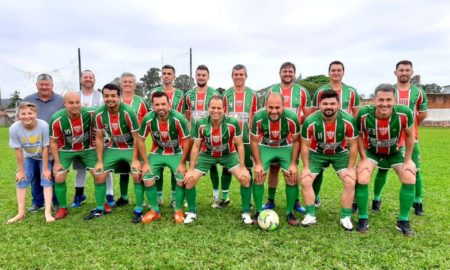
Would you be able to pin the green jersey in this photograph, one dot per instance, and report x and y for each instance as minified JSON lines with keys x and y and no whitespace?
{"x":348,"y":97}
{"x":167,"y":136}
{"x":176,"y":98}
{"x":217,"y":141}
{"x":139,"y":106}
{"x":329,"y":138}
{"x":416,"y":100}
{"x":383,"y":136}
{"x":197,"y":103}
{"x":276,"y":134}
{"x":296,"y":98}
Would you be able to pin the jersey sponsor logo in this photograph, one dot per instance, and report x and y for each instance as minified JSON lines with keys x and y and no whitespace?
{"x":330,"y":134}
{"x":329,"y":146}
{"x":240,"y":116}
{"x":199,"y":114}
{"x":121,"y":138}
{"x":383,"y":130}
{"x":383,"y":143}
{"x":171,"y":143}
{"x":221,"y":148}
{"x":77,"y":139}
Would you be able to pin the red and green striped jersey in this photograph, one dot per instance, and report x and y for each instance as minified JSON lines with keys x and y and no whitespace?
{"x":139,"y":106}
{"x":348,"y":97}
{"x":167,"y":136}
{"x":382,"y":136}
{"x":329,"y":138}
{"x":296,"y":98}
{"x":416,"y":100}
{"x":176,"y":98}
{"x":217,"y":141}
{"x":118,"y":127}
{"x":276,"y":134}
{"x":197,"y":103}
{"x":73,"y":134}
{"x":241,"y":106}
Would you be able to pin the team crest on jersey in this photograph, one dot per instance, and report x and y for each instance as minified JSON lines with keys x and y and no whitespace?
{"x":275,"y":133}
{"x":286,"y":98}
{"x":200,"y":102}
{"x":239,"y":103}
{"x":77,"y":129}
{"x":330,"y":134}
{"x":383,"y":130}
{"x":216,"y":139}
{"x":164,"y":134}
{"x":115,"y":125}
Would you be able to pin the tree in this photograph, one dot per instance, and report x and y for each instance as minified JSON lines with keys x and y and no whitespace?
{"x":182,"y":82}
{"x":152,"y":78}
{"x":312,"y":83}
{"x":221,"y":90}
{"x":15,"y":99}
{"x":431,"y":88}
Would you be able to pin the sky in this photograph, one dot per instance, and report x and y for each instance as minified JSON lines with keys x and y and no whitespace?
{"x":369,"y":37}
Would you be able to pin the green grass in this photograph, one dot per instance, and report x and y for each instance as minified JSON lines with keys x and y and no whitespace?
{"x":219,"y":240}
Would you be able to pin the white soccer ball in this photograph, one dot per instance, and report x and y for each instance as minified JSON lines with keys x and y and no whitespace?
{"x":268,"y":220}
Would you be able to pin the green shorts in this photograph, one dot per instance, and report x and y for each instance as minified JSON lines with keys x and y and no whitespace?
{"x":248,"y":156}
{"x":415,"y":157}
{"x":87,"y":157}
{"x":158,"y":162}
{"x":117,"y":160}
{"x":204,"y":162}
{"x":270,"y":155}
{"x":318,"y":162}
{"x":388,"y":161}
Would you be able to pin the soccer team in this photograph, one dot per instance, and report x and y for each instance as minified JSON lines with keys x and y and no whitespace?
{"x":193,"y":132}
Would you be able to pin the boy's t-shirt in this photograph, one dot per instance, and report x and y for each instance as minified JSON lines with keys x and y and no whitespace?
{"x":31,"y":141}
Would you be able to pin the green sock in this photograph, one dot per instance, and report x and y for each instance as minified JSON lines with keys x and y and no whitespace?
{"x":124,"y":180}
{"x":272,"y":191}
{"x":246,"y":197}
{"x":406,"y":200}
{"x":419,"y":188}
{"x":317,"y":184}
{"x":214,"y":175}
{"x":191,"y":195}
{"x":362,"y":199}
{"x":139,"y":194}
{"x":380,"y":181}
{"x":225,"y":183}
{"x":310,"y":210}
{"x":61,"y":194}
{"x":258,"y":193}
{"x":160,"y":182}
{"x":151,"y":197}
{"x":179,"y":195}
{"x":173,"y":183}
{"x":100,"y":193}
{"x":346,"y":212}
{"x":291,"y":197}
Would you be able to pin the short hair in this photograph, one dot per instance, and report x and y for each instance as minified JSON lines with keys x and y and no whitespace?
{"x":329,"y":94}
{"x":128,"y":74}
{"x":214,"y":97}
{"x":385,"y":87}
{"x":24,"y":105}
{"x":44,"y":77}
{"x":168,"y":67}
{"x":403,"y":62}
{"x":159,"y":94}
{"x":288,"y":65}
{"x":112,"y":86}
{"x":239,"y":67}
{"x":336,"y":62}
{"x":87,"y":70}
{"x":202,"y":67}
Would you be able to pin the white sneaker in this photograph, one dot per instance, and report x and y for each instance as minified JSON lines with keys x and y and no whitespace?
{"x":190,"y":217}
{"x":247,"y":219}
{"x":347,"y":223}
{"x":215,"y":203}
{"x":309,"y":220}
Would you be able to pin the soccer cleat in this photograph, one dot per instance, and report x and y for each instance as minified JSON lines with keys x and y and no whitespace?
{"x":269,"y":205}
{"x":121,"y":202}
{"x":247,"y":219}
{"x":363,"y":225}
{"x":317,"y":202}
{"x":190,"y":218}
{"x":224,"y":203}
{"x":77,"y":200}
{"x":354,"y":207}
{"x":96,"y":213}
{"x":107,"y":208}
{"x":418,"y":209}
{"x":376,"y":205}
{"x":137,"y":217}
{"x":292,"y":220}
{"x":215,"y":202}
{"x":150,"y":216}
{"x":110,"y":200}
{"x":61,"y":213}
{"x":309,"y":220}
{"x":160,"y":201}
{"x":403,"y":226}
{"x":178,"y":217}
{"x":346,"y":223}
{"x":34,"y":208}
{"x":299,"y":208}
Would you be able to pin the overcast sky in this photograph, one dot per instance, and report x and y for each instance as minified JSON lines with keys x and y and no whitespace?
{"x":117,"y":36}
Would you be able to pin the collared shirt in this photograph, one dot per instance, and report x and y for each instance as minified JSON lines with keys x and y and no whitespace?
{"x":46,"y":108}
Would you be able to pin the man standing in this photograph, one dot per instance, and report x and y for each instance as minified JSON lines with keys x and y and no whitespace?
{"x":240,"y":102}
{"x":196,"y":103}
{"x":415,"y":98}
{"x":380,"y":130}
{"x":47,"y":103}
{"x":217,"y":138}
{"x":275,"y":137}
{"x":327,"y":136}
{"x":295,"y":98}
{"x":349,"y":102}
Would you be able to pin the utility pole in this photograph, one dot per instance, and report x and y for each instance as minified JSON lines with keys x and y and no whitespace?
{"x":79,"y":67}
{"x":190,"y":68}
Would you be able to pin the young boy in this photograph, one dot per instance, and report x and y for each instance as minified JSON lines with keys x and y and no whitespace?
{"x":30,"y":139}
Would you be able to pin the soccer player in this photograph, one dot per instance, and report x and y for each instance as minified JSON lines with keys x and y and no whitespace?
{"x":119,"y":121}
{"x":30,"y":140}
{"x":326,"y":135}
{"x":70,"y":132}
{"x":349,"y":102}
{"x":240,"y":102}
{"x":416,"y":99}
{"x":140,"y":107}
{"x":217,"y":139}
{"x":196,"y":104}
{"x":380,"y":129}
{"x":275,"y":137}
{"x":295,"y":98}
{"x":171,"y":141}
{"x":176,"y":102}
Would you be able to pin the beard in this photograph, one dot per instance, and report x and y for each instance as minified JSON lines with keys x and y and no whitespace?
{"x":201,"y":84}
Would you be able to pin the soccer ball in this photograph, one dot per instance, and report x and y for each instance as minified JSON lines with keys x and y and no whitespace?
{"x":268,"y":220}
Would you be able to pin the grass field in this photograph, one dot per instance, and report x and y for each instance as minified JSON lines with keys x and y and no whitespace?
{"x":219,"y":240}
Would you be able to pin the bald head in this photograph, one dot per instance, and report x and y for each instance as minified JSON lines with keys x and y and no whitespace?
{"x":274,"y":106}
{"x":275,"y":97}
{"x":72,"y":103}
